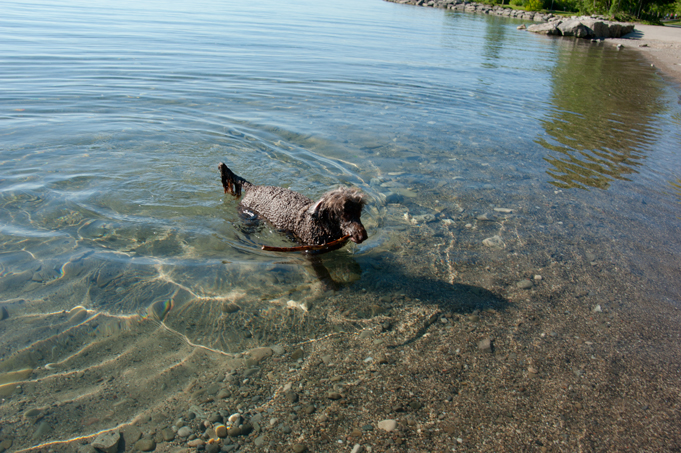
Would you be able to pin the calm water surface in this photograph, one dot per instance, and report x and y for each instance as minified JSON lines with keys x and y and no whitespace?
{"x":114,"y":115}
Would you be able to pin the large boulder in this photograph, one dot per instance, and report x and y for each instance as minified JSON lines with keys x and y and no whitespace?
{"x":582,"y":27}
{"x":574,"y":28}
{"x":599,"y":28}
{"x":619,"y":29}
{"x":547,"y":28}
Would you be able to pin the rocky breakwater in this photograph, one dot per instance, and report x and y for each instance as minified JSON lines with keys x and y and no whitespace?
{"x":472,"y":7}
{"x":591,"y":27}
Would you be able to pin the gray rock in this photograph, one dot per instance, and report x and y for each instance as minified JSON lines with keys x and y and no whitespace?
{"x":575,"y":28}
{"x":485,"y":345}
{"x":5,"y":444}
{"x":415,"y":405}
{"x":548,"y":28}
{"x":220,"y":430}
{"x":215,"y":417}
{"x":259,"y":441}
{"x":31,"y":413}
{"x":257,"y":355}
{"x":42,"y":430}
{"x":107,"y":442}
{"x":309,"y":409}
{"x":494,"y":242}
{"x":185,"y":431}
{"x":131,"y":434}
{"x":297,"y":354}
{"x":299,"y":448}
{"x":278,"y":350}
{"x":4,"y":314}
{"x":291,"y":396}
{"x":242,"y":430}
{"x":524,"y":284}
{"x":145,"y":445}
{"x":387,"y":425}
{"x":168,"y":434}
{"x":599,"y":28}
{"x":366,"y":334}
{"x":224,"y":393}
{"x":423,"y":218}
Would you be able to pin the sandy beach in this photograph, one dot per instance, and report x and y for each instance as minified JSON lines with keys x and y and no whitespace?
{"x":660,"y":44}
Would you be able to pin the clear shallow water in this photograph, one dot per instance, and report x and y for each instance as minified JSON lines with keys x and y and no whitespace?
{"x":114,"y":117}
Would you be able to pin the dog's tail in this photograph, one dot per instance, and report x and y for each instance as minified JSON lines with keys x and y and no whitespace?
{"x":231,"y":182}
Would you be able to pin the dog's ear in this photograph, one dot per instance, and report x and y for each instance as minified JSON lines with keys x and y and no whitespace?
{"x":315,"y":208}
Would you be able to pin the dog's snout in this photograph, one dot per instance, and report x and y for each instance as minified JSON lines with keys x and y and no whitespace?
{"x":358,"y":234}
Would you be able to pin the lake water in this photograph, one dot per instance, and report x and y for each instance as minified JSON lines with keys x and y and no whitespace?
{"x":458,"y":127}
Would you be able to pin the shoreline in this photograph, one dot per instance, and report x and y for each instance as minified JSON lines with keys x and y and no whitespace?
{"x":658,"y":44}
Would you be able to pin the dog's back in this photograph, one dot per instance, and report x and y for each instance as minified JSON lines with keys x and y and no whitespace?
{"x":284,"y":208}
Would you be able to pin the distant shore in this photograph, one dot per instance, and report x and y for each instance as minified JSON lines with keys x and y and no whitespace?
{"x":481,"y":8}
{"x":659,"y":44}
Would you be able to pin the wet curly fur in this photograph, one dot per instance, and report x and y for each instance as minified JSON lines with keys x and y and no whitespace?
{"x":336,"y":214}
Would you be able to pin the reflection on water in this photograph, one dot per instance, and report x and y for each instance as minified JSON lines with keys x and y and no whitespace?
{"x":603,"y":116}
{"x":495,"y":37}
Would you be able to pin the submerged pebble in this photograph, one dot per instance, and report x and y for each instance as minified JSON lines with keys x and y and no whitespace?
{"x":485,"y":345}
{"x":494,"y":242}
{"x":185,"y":431}
{"x":145,"y":445}
{"x":42,"y":430}
{"x":387,"y":425}
{"x":107,"y":442}
{"x":524,"y":284}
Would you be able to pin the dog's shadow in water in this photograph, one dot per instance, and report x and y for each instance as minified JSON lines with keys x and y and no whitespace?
{"x":384,"y":280}
{"x":383,"y":277}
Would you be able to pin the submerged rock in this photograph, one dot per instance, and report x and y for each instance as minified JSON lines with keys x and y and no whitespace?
{"x":485,"y":345}
{"x":107,"y":442}
{"x":145,"y":445}
{"x":494,"y":242}
{"x":387,"y":425}
{"x":524,"y":284}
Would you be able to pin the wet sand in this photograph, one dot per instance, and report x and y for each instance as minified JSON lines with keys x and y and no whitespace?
{"x":660,"y":44}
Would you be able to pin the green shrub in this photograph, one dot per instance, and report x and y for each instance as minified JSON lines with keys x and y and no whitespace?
{"x":534,"y":5}
{"x":516,"y":2}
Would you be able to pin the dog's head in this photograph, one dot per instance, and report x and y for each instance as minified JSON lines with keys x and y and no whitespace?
{"x":343,"y":206}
